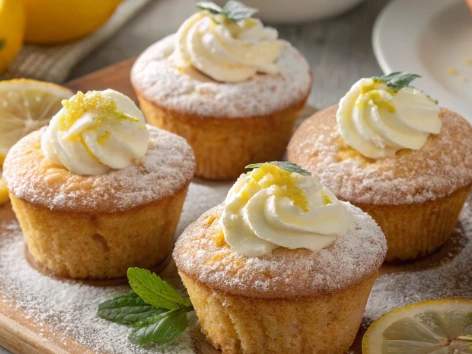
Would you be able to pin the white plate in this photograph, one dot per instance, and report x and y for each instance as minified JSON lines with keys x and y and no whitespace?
{"x":428,"y":37}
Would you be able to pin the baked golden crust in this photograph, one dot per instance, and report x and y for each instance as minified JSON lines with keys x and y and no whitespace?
{"x":224,"y":146}
{"x":202,"y":254}
{"x":324,"y":324}
{"x":102,"y":245}
{"x":416,"y":230}
{"x":442,"y":166}
{"x":186,"y":90}
{"x":166,"y":169}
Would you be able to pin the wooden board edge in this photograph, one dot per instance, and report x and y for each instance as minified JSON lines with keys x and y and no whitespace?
{"x":22,"y":340}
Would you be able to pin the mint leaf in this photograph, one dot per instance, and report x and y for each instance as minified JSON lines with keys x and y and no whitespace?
{"x":237,"y":11}
{"x":232,"y":10}
{"x":284,"y":165}
{"x":208,"y":6}
{"x":154,"y":309}
{"x":397,"y":80}
{"x":161,"y":328}
{"x":127,"y":309}
{"x":155,"y":291}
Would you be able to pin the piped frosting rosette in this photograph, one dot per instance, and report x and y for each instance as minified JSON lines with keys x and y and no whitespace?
{"x":271,"y":207}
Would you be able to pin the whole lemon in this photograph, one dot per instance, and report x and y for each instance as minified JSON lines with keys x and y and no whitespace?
{"x":58,"y":21}
{"x":12,"y":29}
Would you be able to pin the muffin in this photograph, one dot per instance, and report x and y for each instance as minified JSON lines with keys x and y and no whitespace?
{"x":98,"y":191}
{"x":281,"y":249}
{"x":390,"y":150}
{"x":228,"y":86}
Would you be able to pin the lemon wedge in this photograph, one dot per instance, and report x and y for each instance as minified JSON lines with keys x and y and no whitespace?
{"x":428,"y":327}
{"x":25,"y":106}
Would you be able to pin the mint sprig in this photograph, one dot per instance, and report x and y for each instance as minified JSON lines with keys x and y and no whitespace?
{"x":284,"y":165}
{"x":157,"y":313}
{"x":161,"y":328}
{"x":232,"y":10}
{"x":397,"y":80}
{"x":155,"y":291}
{"x":127,"y":309}
{"x":209,"y":6}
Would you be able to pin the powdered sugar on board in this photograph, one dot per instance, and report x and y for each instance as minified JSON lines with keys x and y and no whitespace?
{"x":56,"y":306}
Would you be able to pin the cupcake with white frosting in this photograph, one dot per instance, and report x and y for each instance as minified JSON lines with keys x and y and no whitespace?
{"x":227,"y":84}
{"x":389,"y":149}
{"x":98,"y":191}
{"x":282,"y":266}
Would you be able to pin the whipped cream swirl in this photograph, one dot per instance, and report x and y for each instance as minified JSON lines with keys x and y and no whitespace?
{"x":378,"y":121}
{"x":270,"y":207}
{"x":226,"y":50}
{"x":96,"y":132}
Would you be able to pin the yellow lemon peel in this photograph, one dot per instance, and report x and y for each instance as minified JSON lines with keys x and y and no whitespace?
{"x":105,"y":109}
{"x":282,"y":179}
{"x":370,"y":94}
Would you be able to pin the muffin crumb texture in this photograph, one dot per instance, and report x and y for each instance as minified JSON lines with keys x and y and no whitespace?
{"x":166,"y":168}
{"x":442,"y":166}
{"x":187,"y":90}
{"x":283,"y":273}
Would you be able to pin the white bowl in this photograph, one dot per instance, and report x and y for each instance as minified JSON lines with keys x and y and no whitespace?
{"x":290,"y":11}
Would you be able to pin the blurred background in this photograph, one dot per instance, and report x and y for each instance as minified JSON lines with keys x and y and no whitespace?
{"x":335,"y":37}
{"x":339,"y":39}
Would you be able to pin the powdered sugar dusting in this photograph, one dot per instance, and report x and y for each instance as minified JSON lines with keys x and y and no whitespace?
{"x":283,"y":272}
{"x":442,"y":166}
{"x":56,"y":306}
{"x":167,"y":168}
{"x":159,"y":81}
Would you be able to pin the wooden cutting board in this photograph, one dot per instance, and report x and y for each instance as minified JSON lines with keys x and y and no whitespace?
{"x":21,"y":335}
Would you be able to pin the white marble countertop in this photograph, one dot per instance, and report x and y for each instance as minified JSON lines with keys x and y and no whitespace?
{"x":339,"y":50}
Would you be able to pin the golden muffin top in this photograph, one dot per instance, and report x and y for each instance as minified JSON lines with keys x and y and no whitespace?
{"x":202,"y":253}
{"x":186,"y":90}
{"x":166,"y":168}
{"x":437,"y":169}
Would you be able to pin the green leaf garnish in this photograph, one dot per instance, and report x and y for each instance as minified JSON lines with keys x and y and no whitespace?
{"x":156,"y":311}
{"x":127,"y":309}
{"x":208,"y":6}
{"x":397,"y":80}
{"x":232,"y":10}
{"x":284,"y":165}
{"x":237,"y":11}
{"x":161,"y":328}
{"x":154,"y":291}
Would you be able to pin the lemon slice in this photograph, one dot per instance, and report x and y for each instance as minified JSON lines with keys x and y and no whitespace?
{"x":428,"y":327}
{"x":25,"y":106}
